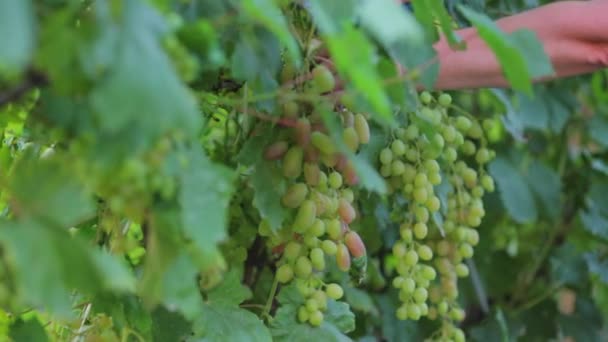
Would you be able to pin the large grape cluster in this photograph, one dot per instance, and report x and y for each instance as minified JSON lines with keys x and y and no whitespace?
{"x":322,"y":203}
{"x":435,"y":151}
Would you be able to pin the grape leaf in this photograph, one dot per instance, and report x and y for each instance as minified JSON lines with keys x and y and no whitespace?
{"x":69,"y":264}
{"x":268,"y":185}
{"x":331,"y":16}
{"x":49,"y":190}
{"x":510,"y":56}
{"x":180,"y":287}
{"x":16,"y":34}
{"x":226,"y":324}
{"x":266,"y":13}
{"x":357,"y":66}
{"x":169,"y":326}
{"x":597,"y":265}
{"x":230,"y":291}
{"x":206,"y":189}
{"x":27,"y":331}
{"x":285,"y":327}
{"x":141,"y":89}
{"x":514,"y":192}
{"x":568,"y":266}
{"x":546,"y":186}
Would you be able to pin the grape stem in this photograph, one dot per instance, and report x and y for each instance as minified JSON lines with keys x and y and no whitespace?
{"x":273,"y":291}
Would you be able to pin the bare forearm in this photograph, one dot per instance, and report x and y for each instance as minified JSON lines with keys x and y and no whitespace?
{"x":574,"y":34}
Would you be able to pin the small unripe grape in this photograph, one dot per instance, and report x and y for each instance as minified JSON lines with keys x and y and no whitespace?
{"x":362,"y":128}
{"x":334,"y":291}
{"x":292,"y":162}
{"x":406,"y":234}
{"x":475,"y":132}
{"x":428,"y":273}
{"x":351,"y":139}
{"x":323,"y":143}
{"x":438,"y":141}
{"x":420,"y":295}
{"x":290,"y":109}
{"x":422,"y":214}
{"x":431,"y":166}
{"x":311,"y":174}
{"x":386,"y":170}
{"x":397,"y":168}
{"x":469,"y":176}
{"x":488,"y":183}
{"x":311,"y":305}
{"x":346,"y":211}
{"x":284,"y":274}
{"x":402,"y":313}
{"x":412,"y":155}
{"x":303,"y":267}
{"x":425,"y":252}
{"x":334,"y":229}
{"x":316,"y":318}
{"x":321,"y":299}
{"x":303,"y":314}
{"x":413,"y":312}
{"x":398,"y":282}
{"x":329,"y":247}
{"x":412,"y":132}
{"x":472,"y":237}
{"x":355,"y":244}
{"x":477,"y":191}
{"x":450,"y":155}
{"x":330,"y":160}
{"x":317,"y":229}
{"x":411,"y":258}
{"x":465,"y":250}
{"x":449,"y":134}
{"x":323,"y":79}
{"x":335,"y":180}
{"x":409,"y":173}
{"x":348,"y":195}
{"x":348,"y":119}
{"x":482,"y":156}
{"x":398,"y":148}
{"x":445,"y":100}
{"x":276,"y":150}
{"x":463,"y":124}
{"x":468,"y":148}
{"x":433,"y":203}
{"x":461,"y":270}
{"x":408,"y":286}
{"x":302,"y":133}
{"x":420,"y":230}
{"x":295,"y":195}
{"x":443,"y":308}
{"x":343,"y":257}
{"x":317,"y":257}
{"x":386,"y":156}
{"x":420,"y":180}
{"x":292,"y":250}
{"x":458,"y":335}
{"x":426,"y":97}
{"x":350,"y":174}
{"x":457,"y":314}
{"x":421,"y":195}
{"x":306,"y":215}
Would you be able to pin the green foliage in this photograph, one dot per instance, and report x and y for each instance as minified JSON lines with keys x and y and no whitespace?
{"x":139,"y":201}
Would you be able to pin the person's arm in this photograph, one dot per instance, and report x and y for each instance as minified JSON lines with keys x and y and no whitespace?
{"x":574,"y":34}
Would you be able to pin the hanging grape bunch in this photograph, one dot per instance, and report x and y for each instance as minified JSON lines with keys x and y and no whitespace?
{"x":321,"y":202}
{"x":435,"y":151}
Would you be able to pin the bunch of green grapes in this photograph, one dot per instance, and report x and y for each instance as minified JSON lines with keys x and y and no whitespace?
{"x":322,"y":202}
{"x":435,"y":238}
